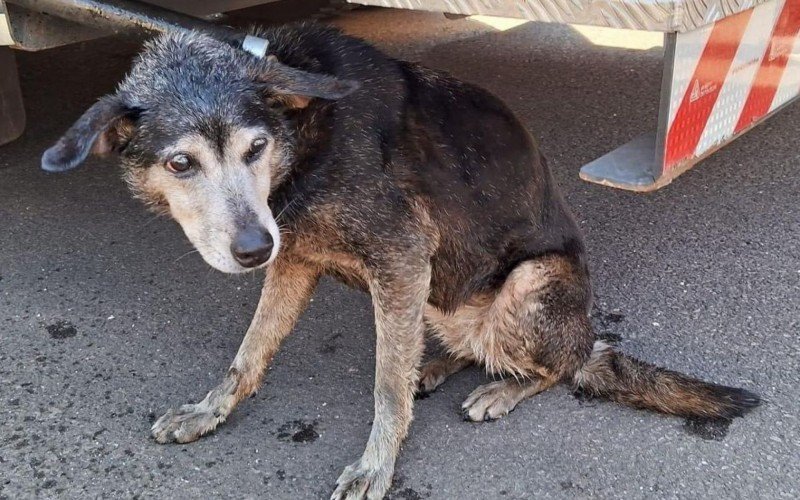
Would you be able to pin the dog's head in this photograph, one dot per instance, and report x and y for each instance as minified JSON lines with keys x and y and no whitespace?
{"x":203,"y":133}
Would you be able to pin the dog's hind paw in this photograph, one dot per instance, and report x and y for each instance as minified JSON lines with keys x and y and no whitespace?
{"x":186,"y":424}
{"x":435,"y":372}
{"x":359,"y":482}
{"x":431,"y":376}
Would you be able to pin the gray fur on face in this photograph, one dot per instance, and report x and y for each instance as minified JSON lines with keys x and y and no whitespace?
{"x":196,"y":96}
{"x":190,"y":75}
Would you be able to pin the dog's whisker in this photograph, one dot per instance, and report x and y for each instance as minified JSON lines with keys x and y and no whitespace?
{"x":190,"y":252}
{"x":284,"y":230}
{"x":152,"y":219}
{"x":283,"y":211}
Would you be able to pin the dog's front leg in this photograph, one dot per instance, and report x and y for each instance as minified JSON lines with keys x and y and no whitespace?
{"x":399,"y":299}
{"x":286,"y":292}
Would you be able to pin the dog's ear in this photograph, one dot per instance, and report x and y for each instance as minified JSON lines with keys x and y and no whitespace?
{"x":100,"y":130}
{"x":296,"y":88}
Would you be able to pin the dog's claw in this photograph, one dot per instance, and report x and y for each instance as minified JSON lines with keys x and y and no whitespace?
{"x":429,"y":382}
{"x":492,"y":401}
{"x":184,"y":425}
{"x":358,"y":482}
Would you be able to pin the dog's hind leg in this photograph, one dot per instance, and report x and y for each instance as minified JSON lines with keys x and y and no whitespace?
{"x":286,"y":292}
{"x":536,"y":334}
{"x":436,"y":371}
{"x":455,"y":332}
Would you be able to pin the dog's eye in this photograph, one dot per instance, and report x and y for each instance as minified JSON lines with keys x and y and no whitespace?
{"x":256,"y":148}
{"x":180,"y":164}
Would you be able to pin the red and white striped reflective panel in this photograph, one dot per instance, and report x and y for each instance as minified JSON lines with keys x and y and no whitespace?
{"x":729,"y":75}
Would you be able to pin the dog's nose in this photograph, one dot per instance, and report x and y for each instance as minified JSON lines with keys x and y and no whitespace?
{"x":252,"y":247}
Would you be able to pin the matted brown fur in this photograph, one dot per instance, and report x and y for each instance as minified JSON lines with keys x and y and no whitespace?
{"x":512,"y":332}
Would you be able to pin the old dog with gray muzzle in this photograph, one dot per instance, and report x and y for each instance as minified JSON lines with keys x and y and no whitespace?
{"x":329,"y":158}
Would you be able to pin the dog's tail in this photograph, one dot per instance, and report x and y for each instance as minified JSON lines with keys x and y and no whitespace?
{"x":610,"y":374}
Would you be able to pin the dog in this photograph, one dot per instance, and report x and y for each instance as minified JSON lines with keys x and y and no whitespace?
{"x":330,"y":158}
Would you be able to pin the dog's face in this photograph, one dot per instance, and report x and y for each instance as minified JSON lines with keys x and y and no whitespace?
{"x":216,"y":185}
{"x":204,"y":133}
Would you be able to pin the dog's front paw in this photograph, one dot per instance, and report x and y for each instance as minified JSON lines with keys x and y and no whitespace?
{"x":359,"y":481}
{"x":186,"y":424}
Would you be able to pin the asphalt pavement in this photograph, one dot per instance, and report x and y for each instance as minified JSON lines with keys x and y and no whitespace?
{"x":106,"y":321}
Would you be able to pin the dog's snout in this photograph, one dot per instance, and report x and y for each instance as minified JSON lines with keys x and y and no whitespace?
{"x":252,"y":246}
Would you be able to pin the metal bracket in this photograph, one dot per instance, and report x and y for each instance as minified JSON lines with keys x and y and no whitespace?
{"x":5,"y":27}
{"x":34,"y":31}
{"x":42,"y":24}
{"x":630,"y":166}
{"x":719,"y":81}
{"x":638,"y":165}
{"x":12,"y":112}
{"x":114,"y":16}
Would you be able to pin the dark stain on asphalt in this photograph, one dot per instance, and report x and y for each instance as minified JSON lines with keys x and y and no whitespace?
{"x":62,"y":330}
{"x":604,"y":324}
{"x":584,"y":397}
{"x":609,"y":337}
{"x":400,"y":491}
{"x":407,"y":494}
{"x":298,"y":431}
{"x":710,"y":429}
{"x":569,"y":485}
{"x":329,"y":345}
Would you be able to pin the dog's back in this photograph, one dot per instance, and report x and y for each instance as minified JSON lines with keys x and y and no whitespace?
{"x":448,"y":143}
{"x":494,"y":197}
